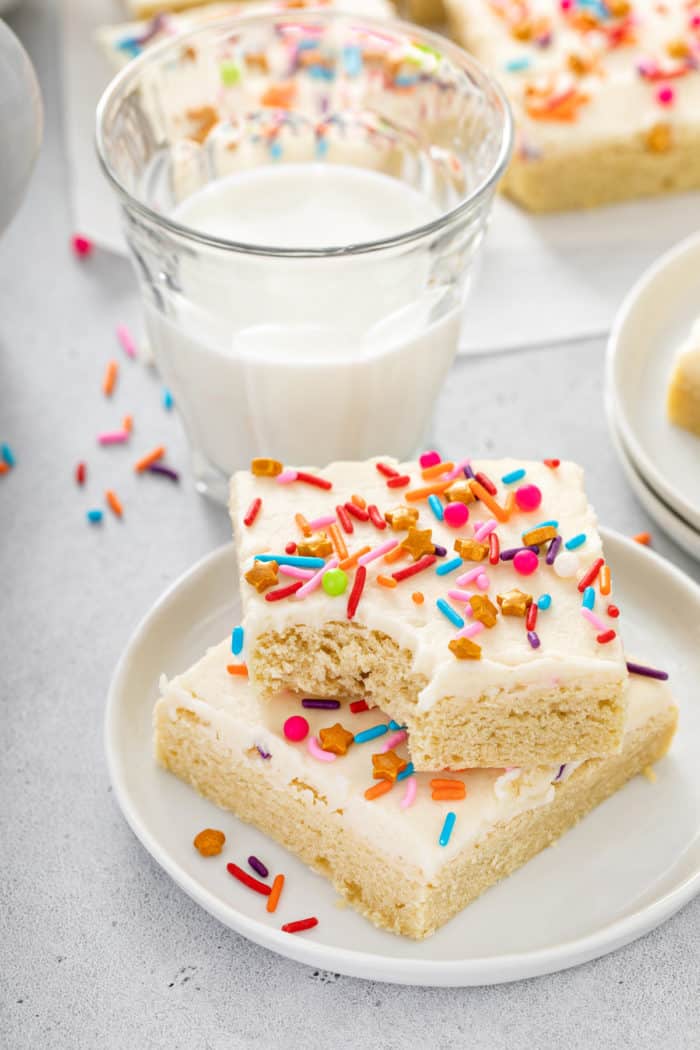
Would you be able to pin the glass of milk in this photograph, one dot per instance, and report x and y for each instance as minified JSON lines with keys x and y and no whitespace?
{"x":304,"y":195}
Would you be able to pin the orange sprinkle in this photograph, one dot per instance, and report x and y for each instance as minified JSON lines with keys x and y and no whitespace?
{"x":643,"y":537}
{"x":415,"y":494}
{"x":418,"y":597}
{"x":281,"y":96}
{"x":4,"y":469}
{"x":110,"y":378}
{"x":114,"y":503}
{"x":387,"y":581}
{"x":436,"y":470}
{"x":604,"y":579}
{"x":338,"y":542}
{"x":509,"y":505}
{"x":303,"y":524}
{"x":151,"y":457}
{"x":359,"y":501}
{"x":392,"y":556}
{"x":128,"y":424}
{"x":446,"y":782}
{"x":275,"y":891}
{"x":238,"y":669}
{"x":448,"y":795}
{"x":499,"y":512}
{"x":380,"y":788}
{"x":351,"y":562}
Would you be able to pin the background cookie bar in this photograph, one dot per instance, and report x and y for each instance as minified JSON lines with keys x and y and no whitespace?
{"x":467,"y":600}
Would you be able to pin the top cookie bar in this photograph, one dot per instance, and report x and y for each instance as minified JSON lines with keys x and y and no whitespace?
{"x":469,"y":601}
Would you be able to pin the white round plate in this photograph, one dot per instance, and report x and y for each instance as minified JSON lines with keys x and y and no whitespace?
{"x":679,"y":530}
{"x":653,"y":321}
{"x":623,"y":870}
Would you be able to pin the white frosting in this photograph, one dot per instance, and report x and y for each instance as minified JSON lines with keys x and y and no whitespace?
{"x":230,"y":711}
{"x":568,"y":653}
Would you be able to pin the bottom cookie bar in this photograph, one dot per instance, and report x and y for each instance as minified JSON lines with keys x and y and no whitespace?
{"x":399,"y":858}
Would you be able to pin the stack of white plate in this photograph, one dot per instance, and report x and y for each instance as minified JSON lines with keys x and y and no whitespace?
{"x":661,"y":461}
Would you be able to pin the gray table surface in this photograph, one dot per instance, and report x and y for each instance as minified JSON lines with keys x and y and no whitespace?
{"x":99,"y":948}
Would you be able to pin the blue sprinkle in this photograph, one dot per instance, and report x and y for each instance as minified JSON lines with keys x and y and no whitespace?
{"x":515,"y":475}
{"x":588,"y":600}
{"x":393,"y":724}
{"x":275,"y":149}
{"x":8,"y":455}
{"x":447,"y":610}
{"x":352,"y":60}
{"x":544,"y":601}
{"x":168,"y":400}
{"x":320,"y":72}
{"x":447,"y":828}
{"x":406,"y":80}
{"x":237,"y":641}
{"x":95,"y":516}
{"x":575,"y":541}
{"x":449,"y":566}
{"x":407,"y":772}
{"x":544,"y":525}
{"x":517,"y":65}
{"x":309,"y":43}
{"x":371,"y":734}
{"x":130,"y":45}
{"x":436,"y":507}
{"x":321,"y":147}
{"x":292,"y":559}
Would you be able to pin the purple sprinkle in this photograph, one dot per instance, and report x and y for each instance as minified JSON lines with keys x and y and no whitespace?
{"x":263,"y":754}
{"x":561,"y":770}
{"x":468,"y":472}
{"x":440,"y":551}
{"x":166,"y":472}
{"x":554,"y":548}
{"x":533,"y":639}
{"x":322,"y":705}
{"x":509,"y":554}
{"x":257,"y":865}
{"x":648,"y":672}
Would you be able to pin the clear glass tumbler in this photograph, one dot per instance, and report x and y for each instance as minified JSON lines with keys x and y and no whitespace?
{"x":304,"y":195}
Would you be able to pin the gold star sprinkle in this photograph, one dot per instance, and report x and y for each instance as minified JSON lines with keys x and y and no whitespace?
{"x":541,"y":535}
{"x":317,"y":545}
{"x":419,"y":542}
{"x":387,"y":766}
{"x":335,"y":739}
{"x":262,"y":575}
{"x":265,"y":468}
{"x":484,"y":609}
{"x":459,"y":492}
{"x":658,"y":138}
{"x":465,"y":649}
{"x":514,"y":603}
{"x":471,"y":550}
{"x":401,"y":518}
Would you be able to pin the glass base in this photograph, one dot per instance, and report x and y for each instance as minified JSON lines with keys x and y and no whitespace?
{"x":209,"y":481}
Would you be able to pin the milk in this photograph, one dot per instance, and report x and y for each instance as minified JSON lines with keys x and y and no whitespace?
{"x":304,"y":359}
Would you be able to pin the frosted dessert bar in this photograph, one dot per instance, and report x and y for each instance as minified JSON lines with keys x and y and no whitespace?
{"x":469,"y":601}
{"x":606,"y":96}
{"x":406,"y":850}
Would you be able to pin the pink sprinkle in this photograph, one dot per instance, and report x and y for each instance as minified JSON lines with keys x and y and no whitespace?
{"x":286,"y":476}
{"x":528,"y":497}
{"x":695,"y":21}
{"x":114,"y":437}
{"x":460,"y":596}
{"x":394,"y":740}
{"x":593,"y":619}
{"x":566,"y":5}
{"x":318,"y":752}
{"x":430,"y":459}
{"x":471,"y":630}
{"x":383,"y":548}
{"x":319,"y":523}
{"x":457,"y":470}
{"x":126,"y":340}
{"x":482,"y":582}
{"x":665,"y":95}
{"x":467,"y":577}
{"x":296,"y":572}
{"x":315,"y":580}
{"x":82,"y":246}
{"x":456,"y":514}
{"x":485,"y":529}
{"x":525,"y":562}
{"x":409,"y":795}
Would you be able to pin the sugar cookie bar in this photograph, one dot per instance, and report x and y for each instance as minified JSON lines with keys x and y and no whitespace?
{"x":466,"y":600}
{"x":399,"y":858}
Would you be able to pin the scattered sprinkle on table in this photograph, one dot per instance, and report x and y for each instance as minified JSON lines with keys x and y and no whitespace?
{"x":209,"y":842}
{"x":299,"y":925}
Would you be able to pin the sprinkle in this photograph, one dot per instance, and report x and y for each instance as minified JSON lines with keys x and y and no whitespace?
{"x":665,"y":95}
{"x":487,"y":499}
{"x":311,"y":479}
{"x":128,"y":423}
{"x":413,"y":495}
{"x":82,"y":246}
{"x":357,"y":512}
{"x":423,"y":563}
{"x":237,"y":670}
{"x":113,"y":437}
{"x":647,"y":672}
{"x":588,"y":600}
{"x":259,"y":867}
{"x":606,"y":636}
{"x":248,"y":880}
{"x":533,"y":639}
{"x":321,"y":705}
{"x":447,"y":828}
{"x":359,"y":501}
{"x":357,"y":706}
{"x":7,"y":455}
{"x":351,"y":561}
{"x":417,"y":598}
{"x":612,"y":610}
{"x":576,"y":541}
{"x":531,"y":616}
{"x":449,"y":566}
{"x":643,"y":537}
{"x":283,"y":592}
{"x":471,"y":630}
{"x":318,"y":752}
{"x":150,"y":457}
{"x":551,"y":463}
{"x":94,"y":516}
{"x":439,"y":550}
{"x":447,"y":610}
{"x":262,"y":753}
{"x":292,"y":559}
{"x":553,"y":550}
{"x":510,"y":479}
{"x":468,"y":576}
{"x":429,"y":459}
{"x":4,"y":469}
{"x":485,"y":483}
{"x":377,"y":552}
{"x":436,"y":469}
{"x":589,"y":578}
{"x":322,"y":522}
{"x":446,"y":782}
{"x":485,"y":529}
{"x":604,"y":580}
{"x":380,"y":788}
{"x":386,"y":470}
{"x":303,"y":524}
{"x":209,"y":842}
{"x":372,"y":733}
{"x":338,"y":541}
{"x":407,"y":772}
{"x":436,"y":506}
{"x":386,"y":581}
{"x":457,"y":470}
{"x":593,"y":619}
{"x":316,"y":580}
{"x":544,"y":601}
{"x":511,"y":552}
{"x":459,"y":596}
{"x":375,"y":517}
{"x":399,"y":482}
{"x":237,"y":641}
{"x":299,"y":925}
{"x":168,"y":400}
{"x":110,"y":378}
{"x":252,"y":512}
{"x":296,"y":728}
{"x":517,"y":65}
{"x":114,"y":503}
{"x":165,"y":472}
{"x":276,"y":890}
{"x":286,"y":477}
{"x":409,"y":795}
{"x":126,"y":340}
{"x":81,"y":473}
{"x":356,"y":592}
{"x":494,"y":549}
{"x":394,"y":740}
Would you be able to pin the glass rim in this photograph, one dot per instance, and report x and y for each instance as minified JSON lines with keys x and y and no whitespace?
{"x":452,"y":51}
